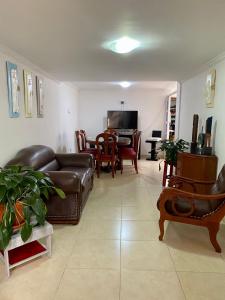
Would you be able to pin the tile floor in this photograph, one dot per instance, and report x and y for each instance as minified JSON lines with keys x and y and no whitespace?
{"x":114,"y":252}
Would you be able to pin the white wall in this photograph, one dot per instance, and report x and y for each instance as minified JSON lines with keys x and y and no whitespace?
{"x":193,"y":101}
{"x":150,"y":104}
{"x":57,"y":127}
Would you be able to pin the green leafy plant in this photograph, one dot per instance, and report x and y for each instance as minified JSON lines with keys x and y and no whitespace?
{"x":171,"y":148}
{"x":24,"y":187}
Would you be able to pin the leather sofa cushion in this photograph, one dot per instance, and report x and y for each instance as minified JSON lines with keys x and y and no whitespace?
{"x":75,"y":160}
{"x":68,"y":181}
{"x":201,"y":207}
{"x":35,"y":156}
{"x":84,"y":174}
{"x":51,"y":166}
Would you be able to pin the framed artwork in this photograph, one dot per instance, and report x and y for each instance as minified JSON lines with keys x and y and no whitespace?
{"x":28,"y":93}
{"x":13,"y":89}
{"x":40,"y":97}
{"x":210,"y":88}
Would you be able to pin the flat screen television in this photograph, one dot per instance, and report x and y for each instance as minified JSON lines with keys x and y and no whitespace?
{"x":122,"y":119}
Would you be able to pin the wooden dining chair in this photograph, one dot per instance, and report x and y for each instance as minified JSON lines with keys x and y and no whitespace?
{"x":82,"y":143}
{"x":131,"y":153}
{"x":111,"y":131}
{"x":106,"y":151}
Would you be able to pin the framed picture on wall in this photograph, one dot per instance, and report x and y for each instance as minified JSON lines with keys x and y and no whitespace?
{"x":13,"y":89}
{"x":40,"y":97}
{"x":28,"y":93}
{"x":210,"y":88}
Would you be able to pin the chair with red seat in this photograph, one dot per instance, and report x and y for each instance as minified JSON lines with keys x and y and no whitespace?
{"x":131,"y":153}
{"x":106,"y":151}
{"x":82,"y":143}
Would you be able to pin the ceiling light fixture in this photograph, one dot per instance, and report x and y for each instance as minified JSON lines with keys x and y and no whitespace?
{"x":125,"y":84}
{"x":123,"y":45}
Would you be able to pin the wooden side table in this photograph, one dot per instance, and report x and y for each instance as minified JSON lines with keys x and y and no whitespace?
{"x":18,"y":252}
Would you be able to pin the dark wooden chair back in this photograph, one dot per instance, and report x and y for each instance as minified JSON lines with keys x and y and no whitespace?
{"x":106,"y":144}
{"x":136,"y":138}
{"x":106,"y":151}
{"x":111,"y":131}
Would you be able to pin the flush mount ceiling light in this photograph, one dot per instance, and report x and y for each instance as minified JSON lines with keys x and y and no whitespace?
{"x":123,"y":45}
{"x":125,"y":84}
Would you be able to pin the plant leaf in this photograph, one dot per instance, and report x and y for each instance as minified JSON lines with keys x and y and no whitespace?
{"x":60,"y":193}
{"x":27,"y":213}
{"x":4,"y":237}
{"x":39,"y":207}
{"x":26,"y":231}
{"x":2,"y":192}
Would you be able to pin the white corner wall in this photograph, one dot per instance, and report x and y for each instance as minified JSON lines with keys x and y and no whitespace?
{"x":55,"y":129}
{"x":150,"y":104}
{"x":193,"y":101}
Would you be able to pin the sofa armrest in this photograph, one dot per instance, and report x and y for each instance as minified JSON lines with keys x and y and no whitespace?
{"x":68,"y":181}
{"x":81,"y":160}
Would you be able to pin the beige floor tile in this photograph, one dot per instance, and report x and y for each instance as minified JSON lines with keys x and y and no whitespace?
{"x":203,"y":286}
{"x":145,"y":255}
{"x":152,"y":285}
{"x":89,"y":285}
{"x":100,"y":229}
{"x":102,"y":254}
{"x":108,"y":200}
{"x":102,"y":212}
{"x":190,"y":237}
{"x":140,"y":230}
{"x":140,"y":213}
{"x":39,"y":278}
{"x":208,"y":261}
{"x":191,"y":249}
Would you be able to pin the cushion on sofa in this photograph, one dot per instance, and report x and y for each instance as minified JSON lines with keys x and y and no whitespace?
{"x":85,"y":174}
{"x":35,"y":156}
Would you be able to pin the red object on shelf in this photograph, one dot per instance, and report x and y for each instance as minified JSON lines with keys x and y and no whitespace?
{"x":23,"y":252}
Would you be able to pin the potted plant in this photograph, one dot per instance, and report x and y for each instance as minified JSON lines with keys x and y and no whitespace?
{"x":171,"y":148}
{"x":22,"y":206}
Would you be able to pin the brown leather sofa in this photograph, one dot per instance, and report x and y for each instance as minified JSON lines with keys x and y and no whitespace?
{"x":73,"y":173}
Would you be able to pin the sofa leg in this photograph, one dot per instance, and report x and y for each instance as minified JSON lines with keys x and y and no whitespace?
{"x":161,"y":227}
{"x":213,"y":229}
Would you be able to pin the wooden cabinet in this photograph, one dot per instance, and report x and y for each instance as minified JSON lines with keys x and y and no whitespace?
{"x":197,"y":167}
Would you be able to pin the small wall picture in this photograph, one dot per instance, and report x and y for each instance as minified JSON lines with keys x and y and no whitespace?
{"x":210,"y":88}
{"x":13,"y":89}
{"x":40,"y":97}
{"x":28,"y":93}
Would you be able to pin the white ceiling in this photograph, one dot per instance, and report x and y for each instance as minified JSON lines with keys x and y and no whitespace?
{"x":167,"y":86}
{"x":65,"y":37}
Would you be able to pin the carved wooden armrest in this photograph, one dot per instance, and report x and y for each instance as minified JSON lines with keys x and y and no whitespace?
{"x":178,"y":181}
{"x":173,"y":195}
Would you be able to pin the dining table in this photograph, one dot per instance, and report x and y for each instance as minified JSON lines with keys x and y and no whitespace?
{"x":121,"y":141}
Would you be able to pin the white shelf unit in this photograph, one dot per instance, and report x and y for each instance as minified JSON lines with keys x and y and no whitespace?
{"x":171,"y":113}
{"x":39,"y":232}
